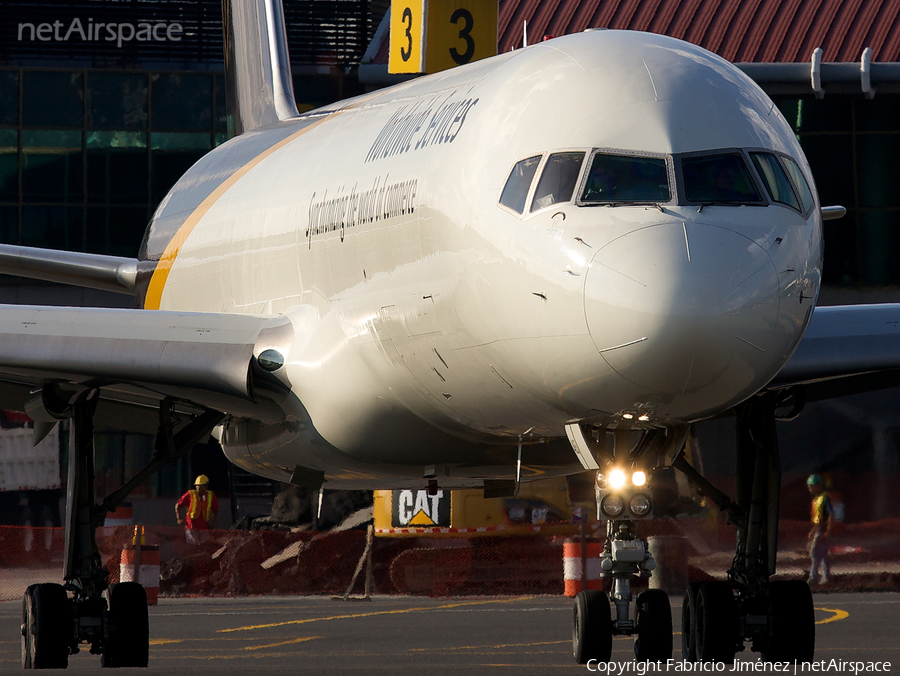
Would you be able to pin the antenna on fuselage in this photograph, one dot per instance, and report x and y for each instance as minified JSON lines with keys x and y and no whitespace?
{"x":519,"y":458}
{"x":524,"y":33}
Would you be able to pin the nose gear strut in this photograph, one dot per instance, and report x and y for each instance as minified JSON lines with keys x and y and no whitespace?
{"x":624,"y":558}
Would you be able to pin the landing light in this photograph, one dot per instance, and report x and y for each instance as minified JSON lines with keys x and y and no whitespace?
{"x":623,"y":494}
{"x":270,"y":360}
{"x":612,"y":506}
{"x":627,"y":416}
{"x":644,"y":418}
{"x":639,"y":505}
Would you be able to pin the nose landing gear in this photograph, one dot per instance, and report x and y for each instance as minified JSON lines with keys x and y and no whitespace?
{"x":649,"y":619}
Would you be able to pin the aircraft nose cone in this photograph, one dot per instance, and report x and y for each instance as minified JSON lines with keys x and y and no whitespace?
{"x":685,"y":312}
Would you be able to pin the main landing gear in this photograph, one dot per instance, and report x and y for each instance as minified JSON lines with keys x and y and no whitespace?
{"x":113,"y":619}
{"x":776,"y":617}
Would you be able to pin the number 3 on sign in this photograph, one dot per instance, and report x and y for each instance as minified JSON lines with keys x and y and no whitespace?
{"x":465,"y":34}
{"x":428,"y":36}
{"x":407,"y":37}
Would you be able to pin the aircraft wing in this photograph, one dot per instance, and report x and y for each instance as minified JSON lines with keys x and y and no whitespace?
{"x":95,"y":271}
{"x":199,"y":361}
{"x":847,"y":349}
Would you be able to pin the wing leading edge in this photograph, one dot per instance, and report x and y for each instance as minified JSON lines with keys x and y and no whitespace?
{"x":95,"y":271}
{"x":847,"y":349}
{"x":138,"y":357}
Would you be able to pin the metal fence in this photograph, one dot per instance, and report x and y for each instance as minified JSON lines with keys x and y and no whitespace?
{"x":864,"y":556}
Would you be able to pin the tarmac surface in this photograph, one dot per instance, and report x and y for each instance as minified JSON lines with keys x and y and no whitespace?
{"x":412,"y":635}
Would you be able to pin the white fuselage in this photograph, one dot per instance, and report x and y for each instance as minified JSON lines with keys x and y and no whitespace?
{"x":428,"y":317}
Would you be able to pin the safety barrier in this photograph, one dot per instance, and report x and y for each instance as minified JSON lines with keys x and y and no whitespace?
{"x":581,"y":567}
{"x":232,"y":563}
{"x":123,"y":515}
{"x":141,"y":564}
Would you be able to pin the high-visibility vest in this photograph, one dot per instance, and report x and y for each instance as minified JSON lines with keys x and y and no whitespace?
{"x":820,"y":508}
{"x":197,"y":504}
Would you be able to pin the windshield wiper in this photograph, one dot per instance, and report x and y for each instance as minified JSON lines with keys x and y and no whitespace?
{"x":719,"y":204}
{"x":619,"y":203}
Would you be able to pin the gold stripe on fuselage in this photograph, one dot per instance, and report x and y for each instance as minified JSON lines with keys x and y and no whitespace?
{"x":163,"y":267}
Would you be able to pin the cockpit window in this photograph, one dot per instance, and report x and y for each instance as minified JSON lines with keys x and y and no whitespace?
{"x":626,"y":178}
{"x":806,"y":197}
{"x":776,"y":180}
{"x":516,"y":189}
{"x":557,"y":180}
{"x":718,"y":179}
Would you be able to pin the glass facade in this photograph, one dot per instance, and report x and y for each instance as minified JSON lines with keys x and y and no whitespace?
{"x":85,"y":155}
{"x":852,"y":144}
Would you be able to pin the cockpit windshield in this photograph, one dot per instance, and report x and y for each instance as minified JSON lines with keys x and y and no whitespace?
{"x":718,"y":179}
{"x":558,"y":180}
{"x":626,"y":178}
{"x":517,"y":185}
{"x":608,"y":177}
{"x":777,"y":183}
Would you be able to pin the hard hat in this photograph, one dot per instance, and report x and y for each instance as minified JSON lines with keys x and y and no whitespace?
{"x":814,"y":479}
{"x":202,"y":480}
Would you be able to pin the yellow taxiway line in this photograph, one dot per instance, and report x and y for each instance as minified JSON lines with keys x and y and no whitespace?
{"x":398,"y":611}
{"x":836,"y":617}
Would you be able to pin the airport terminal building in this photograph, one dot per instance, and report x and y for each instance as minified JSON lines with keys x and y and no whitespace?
{"x":104,"y":104}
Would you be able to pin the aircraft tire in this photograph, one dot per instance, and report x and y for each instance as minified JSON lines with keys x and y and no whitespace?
{"x":688,"y":620}
{"x":653,"y":641}
{"x":46,"y":626}
{"x":26,"y":621}
{"x":792,"y":618}
{"x":129,"y":630}
{"x":715,"y":623}
{"x":592,"y":627}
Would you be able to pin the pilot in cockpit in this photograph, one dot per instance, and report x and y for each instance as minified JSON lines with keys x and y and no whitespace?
{"x":600,"y":183}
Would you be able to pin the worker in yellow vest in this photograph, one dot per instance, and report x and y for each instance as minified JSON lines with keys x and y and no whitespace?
{"x":202,"y":509}
{"x":822,"y":516}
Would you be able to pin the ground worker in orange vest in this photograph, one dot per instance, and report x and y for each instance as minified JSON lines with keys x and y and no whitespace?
{"x":202,"y":510}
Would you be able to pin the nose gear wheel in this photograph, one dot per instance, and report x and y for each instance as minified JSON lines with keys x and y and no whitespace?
{"x":592,"y":628}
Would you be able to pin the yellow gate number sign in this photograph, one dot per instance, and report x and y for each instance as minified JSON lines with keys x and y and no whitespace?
{"x":407,"y":37}
{"x":428,"y":36}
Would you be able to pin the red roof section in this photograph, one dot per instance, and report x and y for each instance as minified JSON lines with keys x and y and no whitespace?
{"x":760,"y":31}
